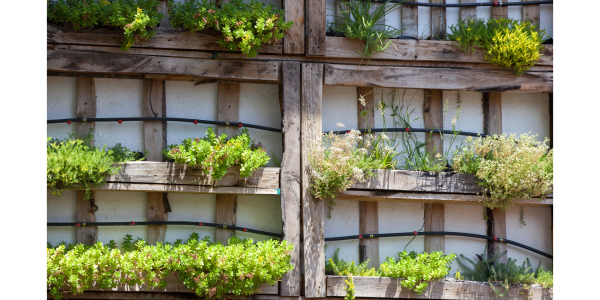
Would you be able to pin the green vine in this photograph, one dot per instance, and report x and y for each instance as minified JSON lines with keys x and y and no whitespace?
{"x":210,"y":270}
{"x":245,"y":26}
{"x":135,"y":17}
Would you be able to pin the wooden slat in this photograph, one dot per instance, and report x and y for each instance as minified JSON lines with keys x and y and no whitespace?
{"x":551,"y":118}
{"x":290,"y":173}
{"x":312,"y":208}
{"x":409,"y":19}
{"x":85,"y":91}
{"x":228,"y":107}
{"x":70,"y":61}
{"x":176,"y":188}
{"x":499,"y":12}
{"x":417,"y":181}
{"x":293,"y":40}
{"x":385,"y":287}
{"x":436,"y":78}
{"x":165,"y":38}
{"x":438,"y":20}
{"x":316,"y":27}
{"x":422,"y":50}
{"x":468,"y":12}
{"x":531,"y":13}
{"x":163,"y":8}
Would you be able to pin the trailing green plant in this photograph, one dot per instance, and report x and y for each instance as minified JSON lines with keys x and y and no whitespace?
{"x":508,"y":167}
{"x":508,"y":43}
{"x":135,"y":17}
{"x":75,"y":161}
{"x":209,"y":269}
{"x":359,"y":20}
{"x":245,"y":26}
{"x":492,"y":271}
{"x":340,"y":267}
{"x":217,"y":154}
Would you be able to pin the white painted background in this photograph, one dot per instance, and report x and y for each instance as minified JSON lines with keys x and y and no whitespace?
{"x":259,"y":104}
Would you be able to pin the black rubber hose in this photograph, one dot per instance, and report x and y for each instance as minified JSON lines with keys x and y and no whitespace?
{"x":500,"y":3}
{"x":413,"y":130}
{"x":165,"y":223}
{"x":165,"y":119}
{"x":479,"y":236}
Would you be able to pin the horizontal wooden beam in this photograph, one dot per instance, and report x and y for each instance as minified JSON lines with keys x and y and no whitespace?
{"x":403,"y":180}
{"x":176,"y":188}
{"x":165,"y":38}
{"x":437,"y":78}
{"x":421,"y":50}
{"x":448,"y":288}
{"x":408,"y":197}
{"x":87,"y":62}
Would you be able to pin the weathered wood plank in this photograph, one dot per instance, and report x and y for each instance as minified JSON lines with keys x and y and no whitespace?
{"x":71,"y":61}
{"x":436,"y":78}
{"x":438,"y":20}
{"x":385,"y":287}
{"x":421,"y":50}
{"x":165,"y":38}
{"x":293,"y":39}
{"x":316,"y":27}
{"x":291,"y":174}
{"x":85,"y":94}
{"x":411,"y":197}
{"x":163,"y":8}
{"x":155,"y":211}
{"x":468,"y":12}
{"x":403,"y":180}
{"x":434,"y":221}
{"x":409,"y":20}
{"x":176,"y":188}
{"x":312,"y":208}
{"x":531,"y":13}
{"x":369,"y":223}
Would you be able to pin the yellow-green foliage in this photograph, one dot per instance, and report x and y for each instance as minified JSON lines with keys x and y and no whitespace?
{"x":508,"y":167}
{"x":350,"y":288}
{"x":508,"y":43}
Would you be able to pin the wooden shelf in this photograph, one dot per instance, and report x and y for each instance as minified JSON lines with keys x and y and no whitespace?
{"x":183,"y":178}
{"x":385,"y":287}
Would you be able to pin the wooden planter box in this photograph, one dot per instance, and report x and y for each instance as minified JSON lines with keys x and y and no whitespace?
{"x":183,"y":178}
{"x":385,"y":287}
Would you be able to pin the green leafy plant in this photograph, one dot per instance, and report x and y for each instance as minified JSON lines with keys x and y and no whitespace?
{"x":217,"y":154}
{"x":349,"y":288}
{"x":135,"y":17}
{"x":510,"y":44}
{"x":340,"y":267}
{"x":508,"y":167}
{"x":358,"y":20}
{"x":245,"y":26}
{"x":74,"y":161}
{"x":210,"y":270}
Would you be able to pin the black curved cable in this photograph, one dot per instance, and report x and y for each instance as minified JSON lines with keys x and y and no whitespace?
{"x":240,"y":124}
{"x":413,"y":130}
{"x":495,"y":3}
{"x":133,"y":223}
{"x":473,"y":235}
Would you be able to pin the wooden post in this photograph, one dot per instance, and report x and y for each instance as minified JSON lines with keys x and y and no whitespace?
{"x":433,"y":116}
{"x":492,"y":122}
{"x":499,"y":12}
{"x":290,"y":173}
{"x":316,"y":27}
{"x":86,"y":107}
{"x":410,"y":20}
{"x":228,"y":107}
{"x":438,"y":20}
{"x":154,"y":105}
{"x":468,"y":12}
{"x":163,"y":8}
{"x":368,"y":211}
{"x":312,"y":208}
{"x":531,"y":13}
{"x":551,"y":117}
{"x":293,"y":40}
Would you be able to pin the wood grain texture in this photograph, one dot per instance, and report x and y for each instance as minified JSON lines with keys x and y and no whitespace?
{"x":87,"y":235}
{"x":228,"y":110}
{"x":366,"y":122}
{"x":433,"y":117}
{"x":436,"y":78}
{"x":312,"y":208}
{"x":499,"y":230}
{"x":551,"y":118}
{"x":293,"y":39}
{"x":420,"y":197}
{"x":291,"y":173}
{"x":386,"y":287}
{"x":434,"y":221}
{"x":72,"y":61}
{"x":468,"y":12}
{"x":155,"y":210}
{"x":176,"y":188}
{"x":165,"y":38}
{"x":499,"y":12}
{"x":163,"y":9}
{"x":369,"y":224}
{"x":421,"y":50}
{"x":438,"y":20}
{"x":531,"y":13}
{"x":492,"y":113}
{"x":409,"y":20}
{"x":316,"y":27}
{"x":417,"y":181}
